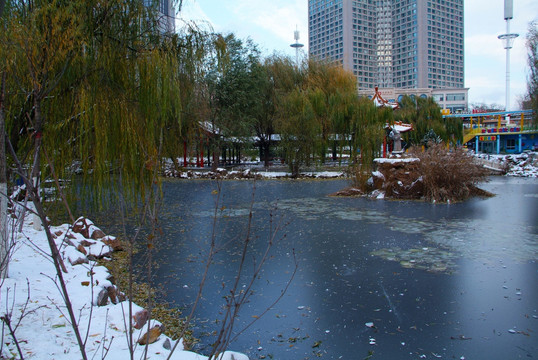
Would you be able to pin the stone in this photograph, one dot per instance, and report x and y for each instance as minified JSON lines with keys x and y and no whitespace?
{"x":167,"y":345}
{"x":140,"y":319}
{"x":113,"y":242}
{"x":86,"y":243}
{"x":82,"y":249}
{"x":102,"y":298}
{"x":151,"y":336}
{"x":81,"y":226}
{"x":113,"y":294}
{"x":96,"y":233}
{"x":79,"y":260}
{"x":121,"y":296}
{"x":111,"y":278}
{"x":86,"y":228}
{"x":105,"y":252}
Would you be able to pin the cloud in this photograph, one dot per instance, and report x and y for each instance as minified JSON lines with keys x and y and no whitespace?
{"x":275,"y":19}
{"x":192,"y":12}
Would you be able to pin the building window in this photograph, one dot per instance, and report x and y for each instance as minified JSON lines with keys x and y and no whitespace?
{"x":455,"y":97}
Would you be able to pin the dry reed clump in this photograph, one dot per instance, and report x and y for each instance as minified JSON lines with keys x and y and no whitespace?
{"x":449,"y":175}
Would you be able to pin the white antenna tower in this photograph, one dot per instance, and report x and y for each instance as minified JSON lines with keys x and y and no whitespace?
{"x":508,"y":39}
{"x":296,"y":45}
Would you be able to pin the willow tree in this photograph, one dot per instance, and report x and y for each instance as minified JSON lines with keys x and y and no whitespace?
{"x":368,"y":123}
{"x":331,"y":89}
{"x":281,"y":77}
{"x":4,"y":257}
{"x":192,"y":46}
{"x":39,"y":53}
{"x":425,"y":115}
{"x":95,"y":83}
{"x":4,"y":243}
{"x":342,"y":104}
{"x":299,"y":129}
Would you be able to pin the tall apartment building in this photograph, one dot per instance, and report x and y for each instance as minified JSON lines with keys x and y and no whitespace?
{"x":401,"y":44}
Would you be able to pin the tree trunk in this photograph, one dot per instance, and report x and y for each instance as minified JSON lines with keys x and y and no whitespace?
{"x":266,"y":153}
{"x":334,"y":150}
{"x":35,"y":176}
{"x":4,"y":241}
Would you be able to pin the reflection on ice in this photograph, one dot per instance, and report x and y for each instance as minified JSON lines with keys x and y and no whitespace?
{"x":471,"y":238}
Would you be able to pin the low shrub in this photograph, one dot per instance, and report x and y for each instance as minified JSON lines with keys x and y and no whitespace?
{"x":449,"y":175}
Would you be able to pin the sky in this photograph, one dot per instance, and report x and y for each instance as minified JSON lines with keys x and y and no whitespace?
{"x":271,"y":23}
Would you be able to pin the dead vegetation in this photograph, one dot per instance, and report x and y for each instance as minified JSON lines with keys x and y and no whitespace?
{"x":434,"y":175}
{"x":449,"y":176}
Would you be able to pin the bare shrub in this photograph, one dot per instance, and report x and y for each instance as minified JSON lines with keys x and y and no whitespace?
{"x":449,"y":175}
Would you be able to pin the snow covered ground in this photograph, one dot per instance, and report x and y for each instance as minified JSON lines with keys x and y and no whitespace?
{"x":248,"y":174}
{"x":32,"y":299}
{"x":523,"y":165}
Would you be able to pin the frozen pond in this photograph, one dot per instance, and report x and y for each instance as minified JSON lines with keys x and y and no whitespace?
{"x":401,"y":280}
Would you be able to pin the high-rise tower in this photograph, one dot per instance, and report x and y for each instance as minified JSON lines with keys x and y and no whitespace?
{"x":391,"y":43}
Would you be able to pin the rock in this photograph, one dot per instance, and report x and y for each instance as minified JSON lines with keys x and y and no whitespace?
{"x":95,"y":233}
{"x":86,"y":243}
{"x":151,"y":336}
{"x":140,"y":319}
{"x":111,"y":278}
{"x":102,"y":298}
{"x":378,"y":179}
{"x":74,"y":256}
{"x":86,"y":228}
{"x":81,"y":249}
{"x":121,"y":296}
{"x":113,"y":242}
{"x":79,"y":260}
{"x":81,"y":226}
{"x":167,"y":345}
{"x":113,"y":294}
{"x":105,"y":253}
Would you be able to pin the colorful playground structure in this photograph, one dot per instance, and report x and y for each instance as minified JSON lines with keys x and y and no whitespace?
{"x":508,"y":132}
